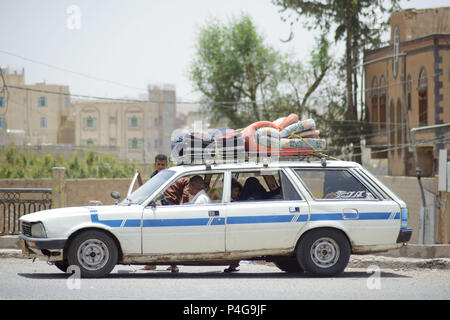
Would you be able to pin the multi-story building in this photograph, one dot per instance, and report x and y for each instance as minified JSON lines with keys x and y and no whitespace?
{"x":408,"y":86}
{"x":138,"y":130}
{"x":33,"y":113}
{"x":43,"y":114}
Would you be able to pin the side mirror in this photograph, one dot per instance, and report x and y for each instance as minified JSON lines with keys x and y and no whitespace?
{"x":157,"y":198}
{"x":115,"y":195}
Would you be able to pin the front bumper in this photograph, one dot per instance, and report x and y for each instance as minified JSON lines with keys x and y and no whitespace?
{"x":404,"y":235}
{"x":43,"y":243}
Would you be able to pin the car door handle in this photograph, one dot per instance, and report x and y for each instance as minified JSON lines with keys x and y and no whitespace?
{"x":213,"y":213}
{"x":294,"y":209}
{"x":349,"y":213}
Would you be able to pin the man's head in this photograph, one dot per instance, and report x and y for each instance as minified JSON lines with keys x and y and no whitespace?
{"x":236,"y":189}
{"x":161,"y":162}
{"x":196,"y":184}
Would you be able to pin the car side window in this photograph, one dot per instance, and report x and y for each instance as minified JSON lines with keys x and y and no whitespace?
{"x":259,"y":185}
{"x":194,"y":189}
{"x":334,"y":184}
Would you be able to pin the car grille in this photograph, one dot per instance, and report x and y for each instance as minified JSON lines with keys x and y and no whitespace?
{"x":26,"y":229}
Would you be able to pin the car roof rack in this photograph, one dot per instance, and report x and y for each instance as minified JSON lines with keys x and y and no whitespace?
{"x":199,"y":158}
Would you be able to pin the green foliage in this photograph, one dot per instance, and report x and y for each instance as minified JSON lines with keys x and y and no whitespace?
{"x":360,"y":24}
{"x":18,"y":163}
{"x":243,"y":79}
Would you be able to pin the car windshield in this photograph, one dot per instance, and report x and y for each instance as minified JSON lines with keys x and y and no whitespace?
{"x":147,"y":189}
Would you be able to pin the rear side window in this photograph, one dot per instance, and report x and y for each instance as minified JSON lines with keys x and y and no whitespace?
{"x":262,"y":186}
{"x":334,"y":184}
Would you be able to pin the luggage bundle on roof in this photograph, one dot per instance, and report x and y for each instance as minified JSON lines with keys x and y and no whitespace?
{"x":281,"y":139}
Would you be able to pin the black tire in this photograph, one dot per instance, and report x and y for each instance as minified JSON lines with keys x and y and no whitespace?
{"x":94,"y":252}
{"x":323,"y":252}
{"x":289,"y":265}
{"x":62,"y":265}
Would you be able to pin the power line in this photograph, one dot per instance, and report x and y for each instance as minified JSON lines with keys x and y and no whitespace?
{"x":71,"y":71}
{"x":223,"y":103}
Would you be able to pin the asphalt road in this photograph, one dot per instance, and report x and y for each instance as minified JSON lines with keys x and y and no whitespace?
{"x":23,"y":279}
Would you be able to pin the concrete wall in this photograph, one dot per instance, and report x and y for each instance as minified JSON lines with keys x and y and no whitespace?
{"x":80,"y":191}
{"x":407,"y":189}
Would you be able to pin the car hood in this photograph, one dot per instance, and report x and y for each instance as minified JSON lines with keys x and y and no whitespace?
{"x":73,"y":211}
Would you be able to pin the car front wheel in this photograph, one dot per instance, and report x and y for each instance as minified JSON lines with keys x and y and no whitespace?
{"x":323,"y":252}
{"x":94,"y":252}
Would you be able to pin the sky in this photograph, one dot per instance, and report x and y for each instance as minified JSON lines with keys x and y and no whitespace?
{"x":116,"y":48}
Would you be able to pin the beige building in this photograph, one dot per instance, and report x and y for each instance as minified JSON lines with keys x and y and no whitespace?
{"x":43,"y":114}
{"x":138,"y":130}
{"x":34,"y":113}
{"x":408,"y":86}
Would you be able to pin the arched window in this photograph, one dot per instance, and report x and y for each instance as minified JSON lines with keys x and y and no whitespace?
{"x":399,"y":123}
{"x":391,"y":123}
{"x":423,"y":97}
{"x":408,"y":91}
{"x":396,"y":52}
{"x":382,"y":102}
{"x":374,"y":104}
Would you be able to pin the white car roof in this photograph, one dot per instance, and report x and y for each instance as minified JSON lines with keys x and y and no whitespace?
{"x":260,"y":165}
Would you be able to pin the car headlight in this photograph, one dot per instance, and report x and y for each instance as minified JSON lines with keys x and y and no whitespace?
{"x":38,"y":230}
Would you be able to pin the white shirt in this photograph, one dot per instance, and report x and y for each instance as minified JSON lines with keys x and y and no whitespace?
{"x":200,"y":198}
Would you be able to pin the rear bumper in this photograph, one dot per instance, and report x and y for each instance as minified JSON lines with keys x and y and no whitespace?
{"x":404,"y":235}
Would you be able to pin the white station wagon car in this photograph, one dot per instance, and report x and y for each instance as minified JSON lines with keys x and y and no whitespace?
{"x":303,"y":216}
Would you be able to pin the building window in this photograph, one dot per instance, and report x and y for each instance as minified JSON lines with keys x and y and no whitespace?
{"x":112,"y":141}
{"x":134,"y":123}
{"x":42,"y":102}
{"x":423,"y":98}
{"x":399,"y":123}
{"x":2,"y":102}
{"x":155,"y":145}
{"x":391,"y":123}
{"x":90,"y":123}
{"x":396,"y":52}
{"x":66,"y":102}
{"x":374,"y":107}
{"x":1,"y":122}
{"x":408,"y":91}
{"x":112,"y":120}
{"x":43,"y":122}
{"x":89,"y":142}
{"x":134,"y":144}
{"x":382,"y":102}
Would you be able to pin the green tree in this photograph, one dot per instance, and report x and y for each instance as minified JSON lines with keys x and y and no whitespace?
{"x":360,"y":24}
{"x":243,"y":79}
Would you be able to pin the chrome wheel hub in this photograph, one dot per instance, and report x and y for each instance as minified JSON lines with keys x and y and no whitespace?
{"x":325,"y":252}
{"x":93,"y":254}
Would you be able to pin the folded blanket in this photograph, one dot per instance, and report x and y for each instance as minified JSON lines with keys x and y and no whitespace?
{"x":298,"y":127}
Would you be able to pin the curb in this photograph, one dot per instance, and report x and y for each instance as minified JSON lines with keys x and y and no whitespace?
{"x":12,"y":253}
{"x":366,"y":261}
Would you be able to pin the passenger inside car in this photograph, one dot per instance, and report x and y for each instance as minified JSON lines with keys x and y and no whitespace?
{"x":253,"y":190}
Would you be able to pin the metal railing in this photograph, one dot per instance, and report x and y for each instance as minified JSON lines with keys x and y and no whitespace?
{"x":16,"y":202}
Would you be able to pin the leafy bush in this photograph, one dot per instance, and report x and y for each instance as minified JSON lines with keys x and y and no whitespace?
{"x":20,"y":163}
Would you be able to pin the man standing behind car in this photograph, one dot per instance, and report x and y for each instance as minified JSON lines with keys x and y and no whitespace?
{"x":161,"y":163}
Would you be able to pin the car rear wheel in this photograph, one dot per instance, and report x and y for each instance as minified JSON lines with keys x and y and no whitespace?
{"x":94,"y":252}
{"x":324,"y":252}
